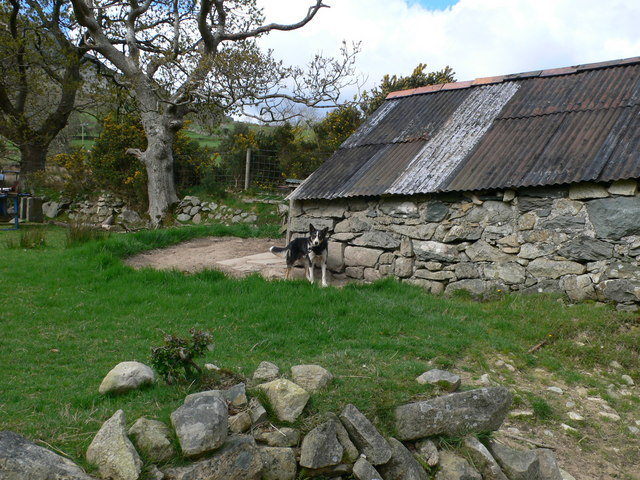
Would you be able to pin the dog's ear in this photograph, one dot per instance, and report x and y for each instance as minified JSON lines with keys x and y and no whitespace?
{"x":311,"y":228}
{"x":325,"y":230}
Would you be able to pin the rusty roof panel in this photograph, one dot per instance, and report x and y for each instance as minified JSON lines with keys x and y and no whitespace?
{"x":538,"y":128}
{"x":403,"y":121}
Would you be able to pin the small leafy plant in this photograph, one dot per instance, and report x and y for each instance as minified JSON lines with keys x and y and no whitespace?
{"x":174,"y":359}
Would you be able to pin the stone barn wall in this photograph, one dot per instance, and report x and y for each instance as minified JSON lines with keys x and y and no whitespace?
{"x":582,"y":240}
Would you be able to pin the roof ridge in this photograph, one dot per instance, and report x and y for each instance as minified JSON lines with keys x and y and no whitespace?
{"x":551,"y":72}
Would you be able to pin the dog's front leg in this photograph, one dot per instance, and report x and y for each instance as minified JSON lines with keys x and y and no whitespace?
{"x":323,"y":267}
{"x":310,"y":277}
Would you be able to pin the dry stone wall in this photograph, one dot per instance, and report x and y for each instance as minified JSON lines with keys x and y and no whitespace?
{"x":582,"y":240}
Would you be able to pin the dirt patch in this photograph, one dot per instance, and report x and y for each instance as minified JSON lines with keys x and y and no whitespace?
{"x":237,"y":257}
{"x":213,"y":253}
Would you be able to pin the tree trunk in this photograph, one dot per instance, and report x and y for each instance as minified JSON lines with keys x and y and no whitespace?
{"x":33,"y":157}
{"x":158,"y":160}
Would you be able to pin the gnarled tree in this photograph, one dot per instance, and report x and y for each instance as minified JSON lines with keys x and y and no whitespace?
{"x":40,"y":77}
{"x":178,"y":54}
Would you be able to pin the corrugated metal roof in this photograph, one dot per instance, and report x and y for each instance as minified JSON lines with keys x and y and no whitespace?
{"x":539,"y":128}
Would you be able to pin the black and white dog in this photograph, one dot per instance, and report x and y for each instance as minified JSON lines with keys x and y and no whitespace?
{"x":309,"y":251}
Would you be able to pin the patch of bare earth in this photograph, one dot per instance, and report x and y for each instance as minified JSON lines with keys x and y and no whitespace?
{"x":209,"y":253}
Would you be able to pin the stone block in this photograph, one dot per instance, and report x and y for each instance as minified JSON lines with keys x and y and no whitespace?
{"x":481,"y":251}
{"x":371,"y":275}
{"x":419,"y":232}
{"x":585,"y":191}
{"x":510,"y":273}
{"x":527,"y":221}
{"x":301,"y":224}
{"x":396,"y":208}
{"x":335,"y":260}
{"x":615,"y":218}
{"x":325,"y":209}
{"x":365,"y":436}
{"x":546,"y":268}
{"x":436,"y":251}
{"x":403,"y":267}
{"x":353,"y":224}
{"x":361,"y":256}
{"x":406,"y":247}
{"x":356,"y":273}
{"x":433,"y":211}
{"x":377,"y":239}
{"x":587,"y":249}
{"x":627,"y":188}
{"x":438,"y":276}
{"x":480,"y":410}
{"x":431,"y":286}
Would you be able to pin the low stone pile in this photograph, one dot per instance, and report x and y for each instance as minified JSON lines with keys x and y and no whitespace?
{"x":191,"y":209}
{"x":225,"y":434}
{"x":107,"y":210}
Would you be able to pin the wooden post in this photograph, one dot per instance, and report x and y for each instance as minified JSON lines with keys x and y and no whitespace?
{"x":247,"y":170}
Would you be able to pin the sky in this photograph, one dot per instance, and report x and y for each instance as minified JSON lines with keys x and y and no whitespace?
{"x":476,"y":38}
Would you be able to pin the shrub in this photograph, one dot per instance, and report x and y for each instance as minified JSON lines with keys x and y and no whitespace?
{"x":174,"y":359}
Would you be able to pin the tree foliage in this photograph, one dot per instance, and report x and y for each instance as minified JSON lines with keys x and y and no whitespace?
{"x":40,"y":75}
{"x":372,"y":100}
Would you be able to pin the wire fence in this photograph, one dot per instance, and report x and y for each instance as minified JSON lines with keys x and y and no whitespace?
{"x":250,"y":169}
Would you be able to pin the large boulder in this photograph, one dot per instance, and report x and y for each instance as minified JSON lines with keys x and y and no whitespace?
{"x":152,"y":438}
{"x":320,"y":447}
{"x":363,"y":470}
{"x":266,"y":372}
{"x":277,"y":437}
{"x":112,"y":451}
{"x":278,"y":463}
{"x":539,"y":463}
{"x":365,"y":436}
{"x":456,"y":414}
{"x":126,"y":376}
{"x":453,"y":467}
{"x":287,"y":399}
{"x":402,"y":465}
{"x":441,"y":378}
{"x":482,"y":459}
{"x":235,"y":396}
{"x":21,"y":459}
{"x":201,"y":424}
{"x":311,"y":377}
{"x":238,"y":459}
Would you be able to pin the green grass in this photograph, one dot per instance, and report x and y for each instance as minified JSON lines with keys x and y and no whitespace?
{"x":69,"y":314}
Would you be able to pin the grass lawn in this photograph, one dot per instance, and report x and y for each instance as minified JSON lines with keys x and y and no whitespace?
{"x":71,"y":313}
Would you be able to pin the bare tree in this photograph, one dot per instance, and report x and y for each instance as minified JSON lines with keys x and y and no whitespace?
{"x":178,"y":54}
{"x":41,"y":74}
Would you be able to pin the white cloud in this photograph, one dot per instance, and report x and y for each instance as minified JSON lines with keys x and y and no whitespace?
{"x":477,"y":38}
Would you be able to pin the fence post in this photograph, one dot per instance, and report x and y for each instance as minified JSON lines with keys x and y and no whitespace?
{"x":247,"y":170}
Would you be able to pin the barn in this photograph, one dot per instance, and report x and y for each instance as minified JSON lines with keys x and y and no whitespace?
{"x":525,"y":182}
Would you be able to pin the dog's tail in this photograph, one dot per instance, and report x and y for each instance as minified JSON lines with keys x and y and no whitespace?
{"x":279,"y":251}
